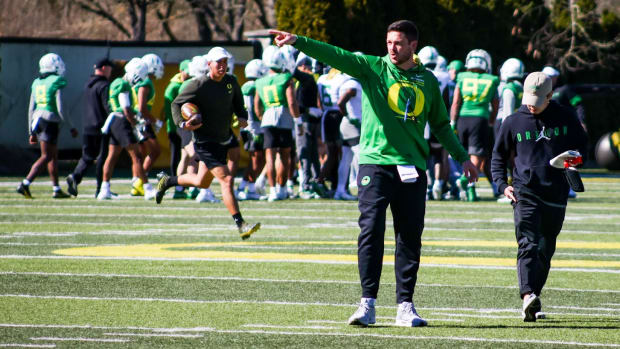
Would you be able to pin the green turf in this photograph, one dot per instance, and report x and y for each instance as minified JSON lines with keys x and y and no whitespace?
{"x":47,"y":298}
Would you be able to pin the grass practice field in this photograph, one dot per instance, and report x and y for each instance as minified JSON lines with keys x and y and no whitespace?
{"x":127,"y":273}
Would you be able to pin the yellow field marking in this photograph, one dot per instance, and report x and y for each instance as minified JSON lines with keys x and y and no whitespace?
{"x":199,"y":251}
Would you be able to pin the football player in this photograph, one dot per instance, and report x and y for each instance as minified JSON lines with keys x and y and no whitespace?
{"x":144,"y":96}
{"x":276,"y":106}
{"x":476,"y":90}
{"x":120,"y":125}
{"x":44,"y":117}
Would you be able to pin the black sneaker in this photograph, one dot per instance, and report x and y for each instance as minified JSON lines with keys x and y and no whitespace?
{"x":245,"y":230}
{"x":59,"y":194}
{"x":72,"y":185}
{"x":162,"y":186}
{"x":24,"y":190}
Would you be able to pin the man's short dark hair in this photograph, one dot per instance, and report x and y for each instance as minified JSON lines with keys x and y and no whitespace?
{"x":406,"y":27}
{"x":104,"y":62}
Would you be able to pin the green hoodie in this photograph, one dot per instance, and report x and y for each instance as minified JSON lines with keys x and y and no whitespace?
{"x":387,"y":136}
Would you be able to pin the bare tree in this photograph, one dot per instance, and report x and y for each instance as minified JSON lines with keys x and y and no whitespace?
{"x":571,"y":48}
{"x":136,"y":10}
{"x":165,"y":17}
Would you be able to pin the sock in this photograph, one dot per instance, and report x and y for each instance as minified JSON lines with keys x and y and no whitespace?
{"x":148,"y":187}
{"x":369,"y":301}
{"x":134,"y":179}
{"x":243,"y":184}
{"x":179,"y":188}
{"x":238,"y":219}
{"x":105,"y":186}
{"x":56,"y":188}
{"x":251,"y":187}
{"x":272,"y":190}
{"x":289,"y":183}
{"x":26,"y":182}
{"x":172,"y":181}
{"x":278,"y":188}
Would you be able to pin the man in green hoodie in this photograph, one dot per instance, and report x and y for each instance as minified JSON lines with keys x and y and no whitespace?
{"x":399,"y":97}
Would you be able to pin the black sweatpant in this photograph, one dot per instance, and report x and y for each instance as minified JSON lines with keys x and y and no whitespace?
{"x":175,"y":151}
{"x":378,"y":187}
{"x":94,"y":147}
{"x":537,"y":226}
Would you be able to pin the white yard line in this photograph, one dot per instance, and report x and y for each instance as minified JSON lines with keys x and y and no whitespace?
{"x":290,"y":327}
{"x":124,"y":334}
{"x":16,"y":345}
{"x":154,"y":329}
{"x":79,"y":339}
{"x":267,"y":280}
{"x":582,"y":308}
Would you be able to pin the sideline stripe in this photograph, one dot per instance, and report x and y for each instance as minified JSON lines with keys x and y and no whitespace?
{"x":442,"y":338}
{"x":154,"y":329}
{"x":427,"y":265}
{"x":234,"y":278}
{"x":154,"y":335}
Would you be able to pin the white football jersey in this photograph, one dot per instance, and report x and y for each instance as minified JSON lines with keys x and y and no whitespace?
{"x":354,"y":105}
{"x":329,"y":88}
{"x":443,"y":77}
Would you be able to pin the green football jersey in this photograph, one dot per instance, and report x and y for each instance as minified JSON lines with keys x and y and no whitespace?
{"x":172,"y":91}
{"x":477,"y":90}
{"x":272,"y":89}
{"x":151,"y":96}
{"x":249,"y":90}
{"x":517,"y":90}
{"x":118,"y":86}
{"x":396,"y":104}
{"x":44,"y":91}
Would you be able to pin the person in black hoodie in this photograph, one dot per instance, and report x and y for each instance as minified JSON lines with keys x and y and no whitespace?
{"x":94,"y":143}
{"x":540,"y":130}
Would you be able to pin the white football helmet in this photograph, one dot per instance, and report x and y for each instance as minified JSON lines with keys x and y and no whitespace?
{"x":513,"y":68}
{"x":442,"y":64}
{"x":478,"y":59}
{"x":52,"y":63}
{"x":255,"y":69}
{"x":198,"y":66}
{"x":289,"y":52}
{"x":154,"y":64}
{"x":273,"y":58}
{"x":136,"y":71}
{"x":428,"y":55}
{"x":551,"y":71}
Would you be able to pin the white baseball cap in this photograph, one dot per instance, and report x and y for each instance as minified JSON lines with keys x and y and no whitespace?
{"x":551,"y":71}
{"x":217,"y":53}
{"x":536,"y":87}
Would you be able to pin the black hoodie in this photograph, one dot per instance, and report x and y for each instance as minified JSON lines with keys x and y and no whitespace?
{"x":534,"y":140}
{"x":96,"y":109}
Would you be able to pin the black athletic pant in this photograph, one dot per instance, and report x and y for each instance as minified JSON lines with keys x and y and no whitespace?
{"x":378,"y":187}
{"x":537,"y":226}
{"x":94,"y":147}
{"x":175,"y":151}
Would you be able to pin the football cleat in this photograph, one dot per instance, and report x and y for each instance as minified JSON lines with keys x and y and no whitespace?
{"x":137,"y":188}
{"x":246,"y":229}
{"x":162,"y":186}
{"x":59,"y":194}
{"x":72,"y":187}
{"x":24,"y":190}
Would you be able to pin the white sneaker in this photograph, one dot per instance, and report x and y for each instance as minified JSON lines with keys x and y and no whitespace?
{"x":290,"y":191}
{"x":437,"y":191}
{"x":207,"y":196}
{"x":408,"y":317}
{"x":504,"y":200}
{"x":252,"y":196}
{"x":531,"y":306}
{"x":343,"y":195}
{"x":104,"y":195}
{"x":149,"y":194}
{"x":364,"y":315}
{"x":273,"y":196}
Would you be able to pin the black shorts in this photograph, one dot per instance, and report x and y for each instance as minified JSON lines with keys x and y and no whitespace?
{"x":331,"y":126}
{"x":47,"y":131}
{"x":435,"y":152}
{"x":277,"y":137}
{"x":121,"y":133}
{"x":251,"y":142}
{"x":148,"y":133}
{"x":213,"y":154}
{"x":186,"y":136}
{"x":232,"y":142}
{"x":474,"y":135}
